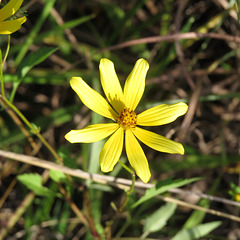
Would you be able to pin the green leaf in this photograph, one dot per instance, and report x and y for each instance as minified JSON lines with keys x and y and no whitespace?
{"x":33,"y":35}
{"x":28,"y":63}
{"x":197,"y":216}
{"x":58,"y":176}
{"x":35,"y":129}
{"x":77,"y":22}
{"x":33,"y":59}
{"x":64,"y":152}
{"x":34,"y":182}
{"x":196,"y":232}
{"x":158,"y":219}
{"x":162,"y":187}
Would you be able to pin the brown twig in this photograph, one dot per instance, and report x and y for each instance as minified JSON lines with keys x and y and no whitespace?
{"x":73,"y":206}
{"x":179,"y":50}
{"x":87,"y":206}
{"x":15,"y":217}
{"x":174,"y":37}
{"x":120,"y":183}
{"x":19,"y":123}
{"x":7,"y":192}
{"x":190,"y":113}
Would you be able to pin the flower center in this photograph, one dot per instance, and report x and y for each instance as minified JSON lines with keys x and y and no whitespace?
{"x":127,"y":119}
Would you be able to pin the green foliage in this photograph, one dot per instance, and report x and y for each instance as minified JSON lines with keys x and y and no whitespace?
{"x":58,"y":176}
{"x":34,"y":59}
{"x":33,"y":34}
{"x":197,"y":216}
{"x":196,"y":232}
{"x":159,"y":218}
{"x":63,"y":39}
{"x":162,"y":187}
{"x":34,"y":183}
{"x":234,"y":192}
{"x":1,"y":73}
{"x":30,"y":61}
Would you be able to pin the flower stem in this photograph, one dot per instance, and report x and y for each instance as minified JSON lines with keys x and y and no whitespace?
{"x":120,"y":210}
{"x":7,"y":51}
{"x":128,"y":193}
{"x":132,"y":172}
{"x":126,"y":167}
{"x":133,"y":183}
{"x":1,"y":75}
{"x":2,"y":62}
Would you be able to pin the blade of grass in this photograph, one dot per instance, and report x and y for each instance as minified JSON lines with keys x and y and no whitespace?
{"x":125,"y":20}
{"x":29,"y":62}
{"x":162,"y":187}
{"x":196,"y":232}
{"x":197,"y":216}
{"x":33,"y":34}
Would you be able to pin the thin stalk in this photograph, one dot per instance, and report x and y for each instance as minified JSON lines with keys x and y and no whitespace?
{"x":126,"y":167}
{"x":119,"y":210}
{"x":1,"y":74}
{"x":15,"y":216}
{"x":73,"y":206}
{"x":2,"y":62}
{"x":7,"y":51}
{"x":129,"y":192}
{"x":33,"y":129}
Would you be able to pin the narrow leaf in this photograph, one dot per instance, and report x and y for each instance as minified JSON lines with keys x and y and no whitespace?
{"x":58,"y":176}
{"x":29,"y":62}
{"x":196,"y":232}
{"x":162,"y":187}
{"x":33,"y":59}
{"x":34,"y":182}
{"x":77,"y":22}
{"x":159,"y":218}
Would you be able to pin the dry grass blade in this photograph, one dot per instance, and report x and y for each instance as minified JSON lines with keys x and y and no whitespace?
{"x":174,"y":37}
{"x":118,"y":182}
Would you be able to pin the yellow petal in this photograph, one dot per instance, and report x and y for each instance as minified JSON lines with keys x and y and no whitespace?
{"x":91,"y":98}
{"x":9,"y":9}
{"x":111,"y":84}
{"x":161,"y":114}
{"x":92,"y":133}
{"x":136,"y":157}
{"x":158,"y":142}
{"x":111,"y":151}
{"x":135,"y":84}
{"x":11,"y":26}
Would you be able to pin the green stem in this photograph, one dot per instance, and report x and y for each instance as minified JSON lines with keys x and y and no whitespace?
{"x":133,"y":183}
{"x":7,"y":51}
{"x":34,"y":130}
{"x":1,"y":75}
{"x":119,"y":210}
{"x":128,"y":193}
{"x":133,"y":176}
{"x":2,"y":62}
{"x":126,"y":167}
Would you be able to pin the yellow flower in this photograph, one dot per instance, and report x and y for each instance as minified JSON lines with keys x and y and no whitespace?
{"x":120,"y":107}
{"x":10,"y":26}
{"x":237,"y":197}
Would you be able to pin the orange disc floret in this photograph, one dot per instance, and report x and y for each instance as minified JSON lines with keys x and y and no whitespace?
{"x":127,"y":119}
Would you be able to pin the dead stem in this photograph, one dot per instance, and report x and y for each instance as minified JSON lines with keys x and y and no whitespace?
{"x":121,"y":183}
{"x":174,"y":37}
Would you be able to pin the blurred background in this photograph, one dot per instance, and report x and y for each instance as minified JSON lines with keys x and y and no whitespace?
{"x":201,"y":70}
